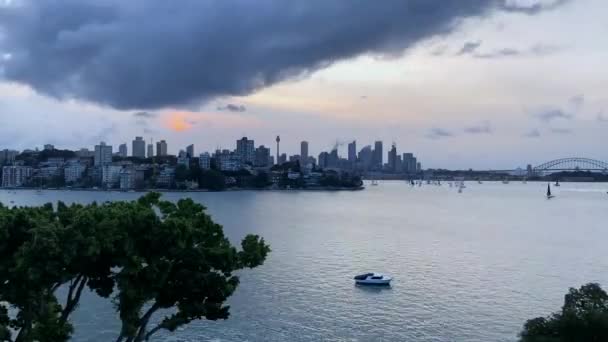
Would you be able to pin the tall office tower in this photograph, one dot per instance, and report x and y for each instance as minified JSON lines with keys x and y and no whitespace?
{"x":392,"y":158}
{"x":161,"y":148}
{"x":352,"y":152}
{"x":103,"y":154}
{"x":262,"y":156}
{"x":150,"y":153}
{"x":245,"y":150}
{"x":138,"y":148}
{"x":190,"y":151}
{"x":122,"y":150}
{"x":377,"y":155}
{"x":303,"y":153}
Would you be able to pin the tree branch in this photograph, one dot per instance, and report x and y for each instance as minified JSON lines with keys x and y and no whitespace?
{"x":153,"y":331}
{"x":73,"y":298}
{"x":143,"y":322}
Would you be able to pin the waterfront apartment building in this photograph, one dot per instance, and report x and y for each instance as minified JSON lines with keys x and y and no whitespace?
{"x":127,"y":178}
{"x":183,"y":159}
{"x":73,"y":172}
{"x":49,"y":147}
{"x":110,"y":175}
{"x":122,"y":150}
{"x":166,"y":177}
{"x":245,"y":150}
{"x":229,"y":161}
{"x":161,"y":148}
{"x":15,"y":176}
{"x":204,"y":161}
{"x":103,"y":154}
{"x":138,"y":148}
{"x":7,"y":156}
{"x":85,"y":153}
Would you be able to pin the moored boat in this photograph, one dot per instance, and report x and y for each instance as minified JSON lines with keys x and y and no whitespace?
{"x":372,"y":279}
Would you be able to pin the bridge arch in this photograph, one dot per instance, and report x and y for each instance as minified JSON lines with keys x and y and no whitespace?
{"x":572,"y":164}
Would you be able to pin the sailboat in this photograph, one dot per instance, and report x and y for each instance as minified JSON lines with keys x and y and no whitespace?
{"x":374,"y":181}
{"x":556,"y":182}
{"x":549,"y":196}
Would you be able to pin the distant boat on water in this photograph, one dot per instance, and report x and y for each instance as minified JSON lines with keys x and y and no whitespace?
{"x":374,"y":182}
{"x":556,"y":183}
{"x":549,"y":195}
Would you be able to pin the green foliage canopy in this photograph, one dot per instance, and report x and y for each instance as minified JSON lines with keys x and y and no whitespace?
{"x":146,"y":255}
{"x":584,"y":317}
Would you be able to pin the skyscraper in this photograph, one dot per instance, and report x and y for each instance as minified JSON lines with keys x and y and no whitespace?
{"x":303,"y":153}
{"x":190,"y":151}
{"x":103,"y":154}
{"x":161,"y":148}
{"x":245,"y":150}
{"x":409,"y":163}
{"x":323,"y":156}
{"x":122,"y":150}
{"x":392,"y":158}
{"x":262,"y":156}
{"x":377,"y":156}
{"x":278,"y":156}
{"x":366,"y":156}
{"x":138,"y":148}
{"x":150,"y":153}
{"x":352,"y":152}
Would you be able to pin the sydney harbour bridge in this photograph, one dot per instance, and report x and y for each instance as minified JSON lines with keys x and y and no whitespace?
{"x":570,"y":164}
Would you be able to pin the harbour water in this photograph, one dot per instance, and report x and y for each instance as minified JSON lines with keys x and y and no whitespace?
{"x":469,"y":266}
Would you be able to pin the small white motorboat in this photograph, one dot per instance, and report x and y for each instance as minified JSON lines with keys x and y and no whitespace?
{"x":373,"y":279}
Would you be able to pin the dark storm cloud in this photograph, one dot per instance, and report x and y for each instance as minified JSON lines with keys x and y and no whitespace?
{"x":232,"y":108}
{"x":468,"y":48}
{"x":438,"y":133}
{"x":144,"y":115}
{"x":533,"y":9}
{"x":156,"y":53}
{"x":482,"y":128}
{"x":538,"y":50}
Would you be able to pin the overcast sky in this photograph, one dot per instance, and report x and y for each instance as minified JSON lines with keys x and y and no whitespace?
{"x":461,"y":83}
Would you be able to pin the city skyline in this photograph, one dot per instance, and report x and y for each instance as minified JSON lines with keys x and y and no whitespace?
{"x":482,"y":84}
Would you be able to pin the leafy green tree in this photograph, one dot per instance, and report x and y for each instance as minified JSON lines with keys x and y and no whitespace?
{"x":584,"y":317}
{"x":181,"y":173}
{"x":261,"y":180}
{"x":146,"y":254}
{"x":212,"y":180}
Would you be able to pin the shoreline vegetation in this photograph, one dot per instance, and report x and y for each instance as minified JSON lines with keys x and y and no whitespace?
{"x":358,"y":188}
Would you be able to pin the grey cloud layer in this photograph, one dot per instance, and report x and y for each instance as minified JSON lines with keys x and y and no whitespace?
{"x":482,"y":128}
{"x":152,"y":54}
{"x":438,"y":133}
